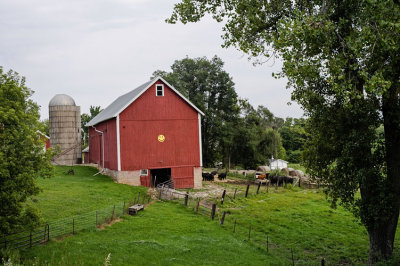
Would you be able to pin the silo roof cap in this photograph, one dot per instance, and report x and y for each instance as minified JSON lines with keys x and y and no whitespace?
{"x":62,"y":99}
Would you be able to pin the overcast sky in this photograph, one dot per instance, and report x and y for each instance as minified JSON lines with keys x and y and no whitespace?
{"x":97,"y":50}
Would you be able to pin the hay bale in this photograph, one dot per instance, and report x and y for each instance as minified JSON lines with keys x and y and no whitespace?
{"x":263,"y":168}
{"x":299,"y":173}
{"x":286,"y":171}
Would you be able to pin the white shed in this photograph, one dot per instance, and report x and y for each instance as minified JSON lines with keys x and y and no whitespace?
{"x":277,"y":163}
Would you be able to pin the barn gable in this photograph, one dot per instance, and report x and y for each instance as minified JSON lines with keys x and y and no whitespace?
{"x":122,"y":102}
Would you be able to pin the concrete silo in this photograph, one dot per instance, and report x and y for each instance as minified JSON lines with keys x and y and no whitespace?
{"x":65,"y":129}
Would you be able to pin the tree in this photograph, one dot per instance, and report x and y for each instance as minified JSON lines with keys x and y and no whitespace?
{"x":44,"y":126}
{"x":342,"y":60}
{"x":254,"y":138}
{"x":207,"y":85}
{"x":85,"y":118}
{"x":22,"y":158}
{"x":293,"y":135}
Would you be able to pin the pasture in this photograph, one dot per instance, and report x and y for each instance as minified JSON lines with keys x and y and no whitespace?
{"x":67,"y":195}
{"x":167,"y":233}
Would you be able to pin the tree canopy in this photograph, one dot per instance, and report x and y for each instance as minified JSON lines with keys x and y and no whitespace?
{"x":85,"y":118}
{"x":22,"y":158}
{"x":342,"y":60}
{"x":233,"y":132}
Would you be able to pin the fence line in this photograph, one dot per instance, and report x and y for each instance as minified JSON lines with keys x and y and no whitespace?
{"x":69,"y":225}
{"x":204,"y":206}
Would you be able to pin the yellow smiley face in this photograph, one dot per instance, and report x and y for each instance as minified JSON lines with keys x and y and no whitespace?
{"x":161,"y":138}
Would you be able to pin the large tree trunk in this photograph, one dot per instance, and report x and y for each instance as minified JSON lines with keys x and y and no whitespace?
{"x":382,"y":236}
{"x":381,"y":240}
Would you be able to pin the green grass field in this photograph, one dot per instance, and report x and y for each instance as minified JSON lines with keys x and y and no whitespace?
{"x":163,"y":234}
{"x":66,"y":195}
{"x":166,"y":233}
{"x":301,"y":220}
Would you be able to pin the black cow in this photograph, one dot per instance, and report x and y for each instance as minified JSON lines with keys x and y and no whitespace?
{"x":207,"y":177}
{"x":288,"y":180}
{"x":281,"y":180}
{"x":222,"y":176}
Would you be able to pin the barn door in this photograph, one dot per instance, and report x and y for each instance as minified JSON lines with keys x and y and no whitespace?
{"x":183,"y":176}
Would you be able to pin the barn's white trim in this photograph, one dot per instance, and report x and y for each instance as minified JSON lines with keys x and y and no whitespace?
{"x":118,"y":145}
{"x":158,"y":87}
{"x":200,"y":146}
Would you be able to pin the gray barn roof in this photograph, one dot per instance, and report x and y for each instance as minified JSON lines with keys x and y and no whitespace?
{"x":122,"y":102}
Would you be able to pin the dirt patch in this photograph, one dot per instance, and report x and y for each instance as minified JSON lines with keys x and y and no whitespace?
{"x":213,"y":190}
{"x":103,"y":226}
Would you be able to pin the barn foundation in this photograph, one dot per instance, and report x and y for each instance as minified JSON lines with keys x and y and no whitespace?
{"x":133,"y":178}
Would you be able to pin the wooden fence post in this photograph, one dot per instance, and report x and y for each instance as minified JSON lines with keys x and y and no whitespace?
{"x":197,"y":205}
{"x":223,"y":197}
{"x":223,"y":218}
{"x":234,"y":195}
{"x":186,"y":198}
{"x":291,"y":250}
{"x":213,"y":208}
{"x":247,"y":190}
{"x":45,"y":233}
{"x":258,"y":188}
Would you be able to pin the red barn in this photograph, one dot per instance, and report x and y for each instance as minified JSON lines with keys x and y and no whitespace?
{"x":148,"y":136}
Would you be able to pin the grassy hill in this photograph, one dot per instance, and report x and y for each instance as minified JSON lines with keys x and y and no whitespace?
{"x":298,"y":220}
{"x":164,"y":234}
{"x":66,"y":195}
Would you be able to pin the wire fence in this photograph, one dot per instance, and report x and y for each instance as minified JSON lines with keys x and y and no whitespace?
{"x":70,"y":225}
{"x":212,"y":207}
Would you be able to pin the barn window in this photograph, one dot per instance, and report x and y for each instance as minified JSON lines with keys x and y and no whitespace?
{"x":144,"y":172}
{"x":159,"y":90}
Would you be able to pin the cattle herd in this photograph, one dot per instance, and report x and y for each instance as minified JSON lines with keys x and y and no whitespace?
{"x":214,"y":174}
{"x":273,"y":179}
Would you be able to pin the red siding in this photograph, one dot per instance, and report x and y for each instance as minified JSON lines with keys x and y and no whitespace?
{"x":183,"y":177}
{"x":110,"y":142}
{"x":148,"y":117}
{"x":140,"y":125}
{"x":145,"y":181}
{"x":86,"y":158}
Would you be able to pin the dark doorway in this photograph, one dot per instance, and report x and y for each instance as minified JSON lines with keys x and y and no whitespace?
{"x":159,"y":176}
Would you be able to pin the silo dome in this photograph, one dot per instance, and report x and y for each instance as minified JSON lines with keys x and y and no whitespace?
{"x":62,"y":99}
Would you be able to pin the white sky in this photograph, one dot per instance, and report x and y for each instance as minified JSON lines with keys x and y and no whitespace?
{"x":97,"y":50}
